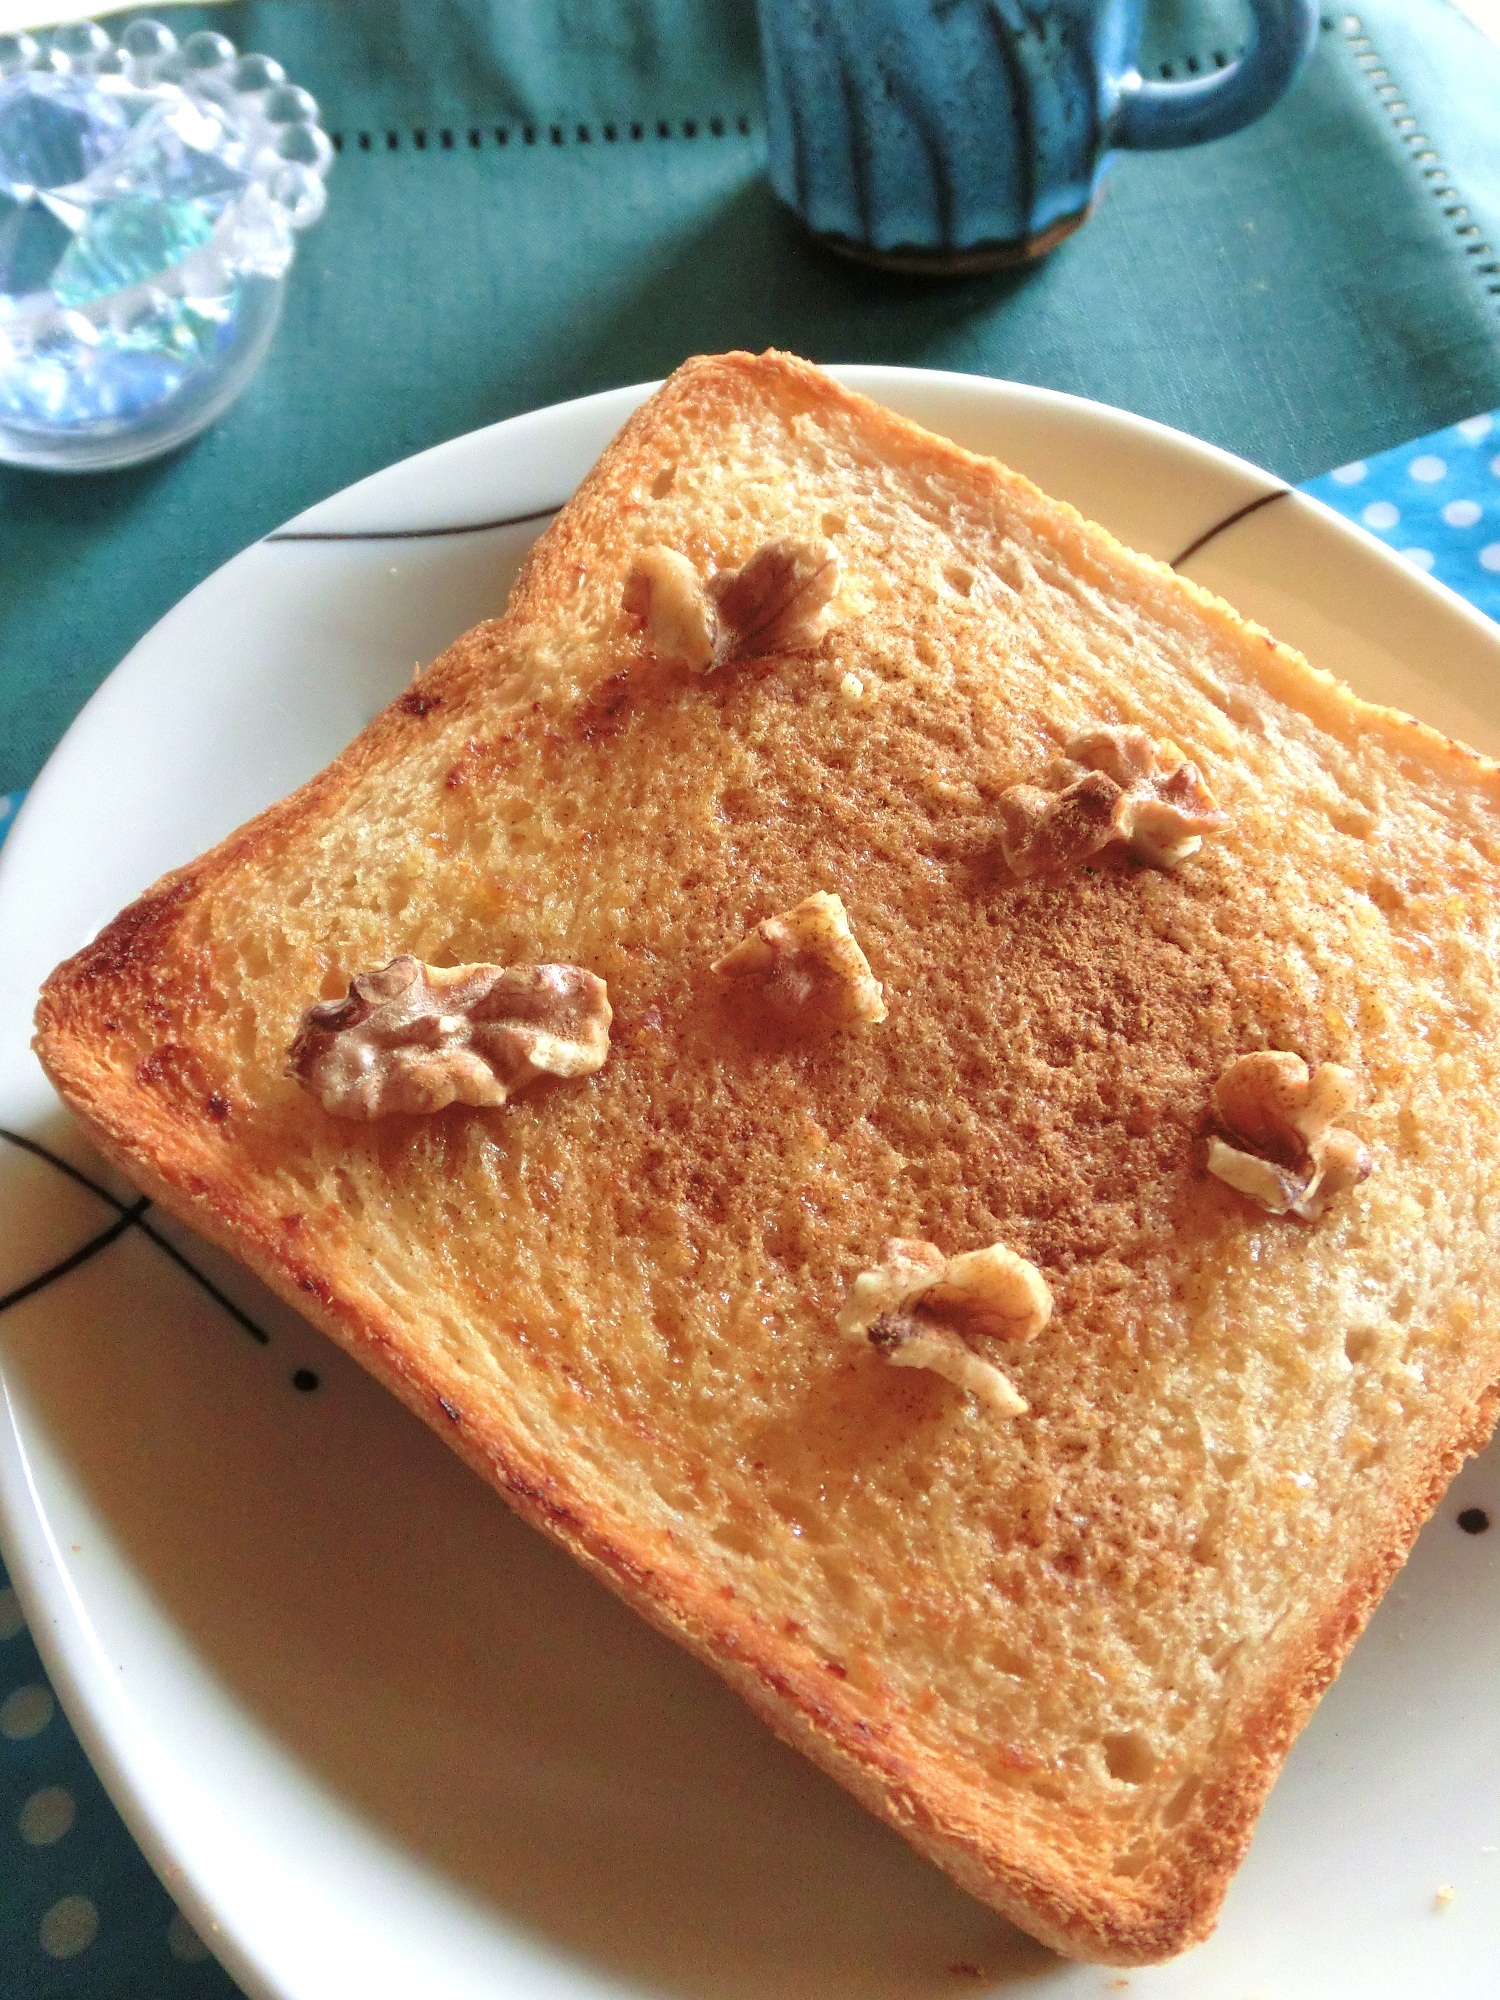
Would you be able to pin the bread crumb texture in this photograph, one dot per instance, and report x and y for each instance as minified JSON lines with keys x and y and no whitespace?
{"x":1064,"y":1652}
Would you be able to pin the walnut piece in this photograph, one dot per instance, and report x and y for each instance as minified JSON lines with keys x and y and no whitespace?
{"x":908,"y":1342}
{"x":1110,"y":784}
{"x":773,"y":603}
{"x":415,"y":1038}
{"x":905,"y":1306}
{"x":808,"y":962}
{"x":1292,"y":1158}
{"x":663,"y":588}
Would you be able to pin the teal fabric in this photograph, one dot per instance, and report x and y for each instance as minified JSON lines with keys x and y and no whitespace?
{"x":1310,"y":293}
{"x":1297,"y":292}
{"x":82,"y":1917}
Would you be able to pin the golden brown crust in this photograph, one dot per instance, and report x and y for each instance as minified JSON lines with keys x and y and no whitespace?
{"x":1074,"y":1134}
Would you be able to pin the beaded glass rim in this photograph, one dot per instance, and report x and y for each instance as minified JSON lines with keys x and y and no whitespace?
{"x":277,"y":125}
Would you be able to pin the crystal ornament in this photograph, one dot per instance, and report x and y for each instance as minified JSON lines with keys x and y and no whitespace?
{"x":125,"y":242}
{"x":54,"y":130}
{"x":180,"y":151}
{"x":32,"y":241}
{"x":149,"y":199}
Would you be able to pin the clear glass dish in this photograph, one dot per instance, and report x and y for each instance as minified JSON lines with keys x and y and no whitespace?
{"x":150,"y":199}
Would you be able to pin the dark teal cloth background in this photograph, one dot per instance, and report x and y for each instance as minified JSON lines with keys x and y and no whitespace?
{"x":1304,"y":293}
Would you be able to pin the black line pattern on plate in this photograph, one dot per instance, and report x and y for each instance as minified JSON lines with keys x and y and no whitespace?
{"x":546,"y":514}
{"x":63,"y":1166}
{"x":1229,"y":521}
{"x":410,"y":534}
{"x":81,"y":1255}
{"x":206,"y":1284}
{"x":128,"y":1215}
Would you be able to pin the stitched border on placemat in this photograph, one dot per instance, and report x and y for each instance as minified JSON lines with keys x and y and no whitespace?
{"x":1423,"y":154}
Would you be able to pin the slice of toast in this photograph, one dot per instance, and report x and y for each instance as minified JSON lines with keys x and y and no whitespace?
{"x":1063,"y":1650}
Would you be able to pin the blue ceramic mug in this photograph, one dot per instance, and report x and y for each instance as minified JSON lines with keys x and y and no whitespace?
{"x":957,"y":135}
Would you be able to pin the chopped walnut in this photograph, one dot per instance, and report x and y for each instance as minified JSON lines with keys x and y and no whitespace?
{"x":1042,"y":833}
{"x":772,"y":603}
{"x":1111,"y":784}
{"x":908,"y":1267}
{"x":414,"y":1038}
{"x":995,"y":1292}
{"x":909,"y":1342}
{"x":808,"y":962}
{"x":902,"y":1306}
{"x":664,"y":589}
{"x":1292,"y":1158}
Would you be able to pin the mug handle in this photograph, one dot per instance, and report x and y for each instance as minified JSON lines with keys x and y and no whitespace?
{"x":1154,"y":115}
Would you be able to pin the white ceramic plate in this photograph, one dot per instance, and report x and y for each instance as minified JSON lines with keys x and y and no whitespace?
{"x":380,"y":1739}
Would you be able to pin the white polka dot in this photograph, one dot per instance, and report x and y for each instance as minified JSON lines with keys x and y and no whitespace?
{"x":1419,"y":558}
{"x":1349,"y":475}
{"x":69,"y":1927}
{"x":1428,"y":468}
{"x":1462,"y":513}
{"x":46,"y":1816}
{"x":1380,"y":514}
{"x":1489,"y":557}
{"x":183,"y":1941}
{"x":1474,"y":428}
{"x":1495,"y":465}
{"x":28,"y":1711}
{"x":11,"y":1620}
{"x":6,"y":806}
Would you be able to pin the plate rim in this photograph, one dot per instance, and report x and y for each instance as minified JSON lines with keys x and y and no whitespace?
{"x":55,"y":1612}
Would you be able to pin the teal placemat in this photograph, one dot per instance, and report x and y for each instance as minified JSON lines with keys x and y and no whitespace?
{"x":534,"y":202}
{"x":80,"y":1912}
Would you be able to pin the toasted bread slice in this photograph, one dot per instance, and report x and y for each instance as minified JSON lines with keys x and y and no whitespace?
{"x":1063,"y":1651}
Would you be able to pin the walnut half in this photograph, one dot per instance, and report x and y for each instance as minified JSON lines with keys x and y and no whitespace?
{"x":773,"y":603}
{"x":415,"y":1038}
{"x":1111,"y":784}
{"x":807,"y":962}
{"x":905,"y":1308}
{"x":1293,"y":1159}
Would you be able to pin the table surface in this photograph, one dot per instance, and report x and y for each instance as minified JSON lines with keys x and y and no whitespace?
{"x":1312,"y":293}
{"x":532,"y":204}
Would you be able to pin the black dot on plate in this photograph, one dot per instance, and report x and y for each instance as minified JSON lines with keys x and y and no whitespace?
{"x":305,"y":1380}
{"x":1473,"y":1520}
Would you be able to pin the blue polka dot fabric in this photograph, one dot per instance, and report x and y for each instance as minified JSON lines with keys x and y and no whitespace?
{"x":1435,"y":502}
{"x":81,"y":1914}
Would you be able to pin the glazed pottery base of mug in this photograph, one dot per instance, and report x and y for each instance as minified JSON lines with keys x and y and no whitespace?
{"x":913,"y":259}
